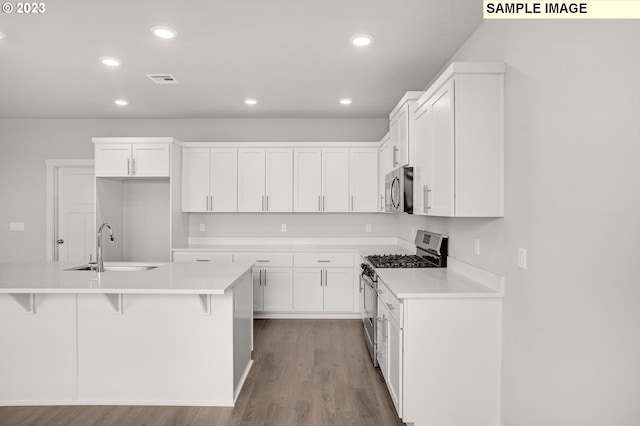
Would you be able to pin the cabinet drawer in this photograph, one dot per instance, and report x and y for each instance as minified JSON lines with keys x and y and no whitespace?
{"x":390,"y":302}
{"x":394,"y":306}
{"x":265,"y":259}
{"x":201,"y":256}
{"x":323,"y":260}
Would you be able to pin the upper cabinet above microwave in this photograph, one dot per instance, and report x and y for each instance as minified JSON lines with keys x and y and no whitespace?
{"x":400,"y":132}
{"x":459,"y":140}
{"x":132,"y":157}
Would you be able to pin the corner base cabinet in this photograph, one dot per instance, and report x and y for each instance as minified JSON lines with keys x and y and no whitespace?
{"x":440,"y":358}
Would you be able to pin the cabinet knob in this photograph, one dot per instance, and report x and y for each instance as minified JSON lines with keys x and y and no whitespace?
{"x":60,"y":241}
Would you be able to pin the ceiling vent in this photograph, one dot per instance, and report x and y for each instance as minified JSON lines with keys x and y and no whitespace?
{"x":163,"y":79}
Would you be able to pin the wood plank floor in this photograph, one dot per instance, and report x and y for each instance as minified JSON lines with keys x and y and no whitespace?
{"x":305,"y":372}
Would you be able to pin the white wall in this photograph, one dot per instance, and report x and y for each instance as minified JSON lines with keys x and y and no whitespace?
{"x":25,"y":144}
{"x":299,"y":225}
{"x":572,"y":319}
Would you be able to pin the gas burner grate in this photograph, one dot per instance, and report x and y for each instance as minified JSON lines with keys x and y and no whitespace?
{"x":399,"y":261}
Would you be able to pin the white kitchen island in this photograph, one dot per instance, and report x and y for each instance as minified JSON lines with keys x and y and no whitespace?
{"x":179,"y":334}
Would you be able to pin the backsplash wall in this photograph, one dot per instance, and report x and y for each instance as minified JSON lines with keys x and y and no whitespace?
{"x":299,"y":225}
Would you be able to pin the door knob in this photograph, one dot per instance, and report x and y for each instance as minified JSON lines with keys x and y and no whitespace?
{"x":60,"y":241}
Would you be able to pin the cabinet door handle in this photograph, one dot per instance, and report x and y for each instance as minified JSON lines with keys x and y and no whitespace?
{"x":211,"y":202}
{"x":321,"y":278}
{"x":352,"y":203}
{"x":426,"y":197}
{"x":265,"y":277}
{"x":260,"y":281}
{"x":133,"y":166}
{"x":128,"y":166}
{"x":395,"y":161}
{"x":326,"y":278}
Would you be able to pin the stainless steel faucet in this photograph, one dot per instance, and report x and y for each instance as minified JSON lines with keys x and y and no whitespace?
{"x":100,"y":261}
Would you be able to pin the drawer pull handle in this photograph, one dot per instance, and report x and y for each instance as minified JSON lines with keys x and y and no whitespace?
{"x":324,"y":261}
{"x":202,"y":260}
{"x":263,"y":261}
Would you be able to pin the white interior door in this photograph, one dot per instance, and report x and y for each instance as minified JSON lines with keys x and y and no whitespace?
{"x":75,"y":196}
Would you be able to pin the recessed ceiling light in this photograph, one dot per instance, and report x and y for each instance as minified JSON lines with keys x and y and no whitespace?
{"x":164,"y":32}
{"x":250,"y":101}
{"x":345,"y":101}
{"x":110,"y":61}
{"x":361,"y":40}
{"x":121,"y":102}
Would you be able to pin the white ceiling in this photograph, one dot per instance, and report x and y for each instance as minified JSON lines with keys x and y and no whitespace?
{"x":293,"y":56}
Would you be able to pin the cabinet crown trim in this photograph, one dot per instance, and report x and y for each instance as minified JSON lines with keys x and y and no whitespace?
{"x":460,"y":68}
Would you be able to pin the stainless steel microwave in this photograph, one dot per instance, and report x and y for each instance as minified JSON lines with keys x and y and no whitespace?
{"x":398,"y":191}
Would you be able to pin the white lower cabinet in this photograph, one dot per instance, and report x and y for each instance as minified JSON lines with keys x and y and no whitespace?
{"x":272,"y":280}
{"x":272,"y":289}
{"x":294,"y":285}
{"x":202,"y":256}
{"x":390,"y":344}
{"x":323,"y":290}
{"x":440,"y":358}
{"x":324,"y":282}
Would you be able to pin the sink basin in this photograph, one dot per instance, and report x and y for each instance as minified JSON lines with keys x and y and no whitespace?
{"x":114,"y":268}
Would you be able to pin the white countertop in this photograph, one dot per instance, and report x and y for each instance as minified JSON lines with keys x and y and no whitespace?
{"x":420,"y":283}
{"x":363,"y":249}
{"x":170,"y":278}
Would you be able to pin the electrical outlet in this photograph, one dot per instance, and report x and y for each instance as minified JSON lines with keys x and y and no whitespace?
{"x":476,"y":246}
{"x":368,"y":227}
{"x":522,"y":258}
{"x":283,"y":227}
{"x":16,"y":226}
{"x":202,"y":227}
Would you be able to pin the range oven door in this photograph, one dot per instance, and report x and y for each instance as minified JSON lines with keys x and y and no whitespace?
{"x":369,"y":314}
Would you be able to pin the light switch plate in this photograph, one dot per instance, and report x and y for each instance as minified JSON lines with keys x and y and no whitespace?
{"x":202,"y":227}
{"x":522,"y":258}
{"x":16,"y":226}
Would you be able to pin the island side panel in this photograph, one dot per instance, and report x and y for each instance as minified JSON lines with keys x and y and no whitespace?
{"x":242,"y":330}
{"x":37,"y":351}
{"x":163,"y":350}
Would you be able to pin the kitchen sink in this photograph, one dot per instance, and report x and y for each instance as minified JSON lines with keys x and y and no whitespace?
{"x":115,"y":268}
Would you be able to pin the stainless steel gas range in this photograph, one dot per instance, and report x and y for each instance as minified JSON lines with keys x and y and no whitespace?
{"x":431,"y":252}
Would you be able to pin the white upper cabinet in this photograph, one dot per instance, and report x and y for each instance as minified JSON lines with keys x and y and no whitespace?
{"x":400,"y":121}
{"x":335,"y":180}
{"x":251,"y":180}
{"x":132,"y":159}
{"x":279,"y":180}
{"x":363,"y":179}
{"x":209,"y":180}
{"x":459,"y":143}
{"x":307,"y":180}
{"x":265,"y":179}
